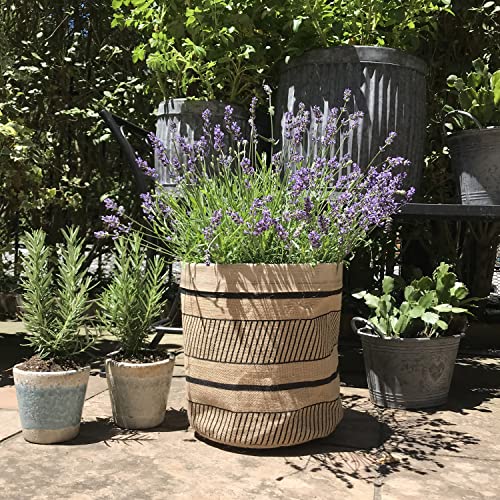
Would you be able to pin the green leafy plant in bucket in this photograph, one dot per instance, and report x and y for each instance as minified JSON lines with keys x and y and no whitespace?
{"x":133,"y":299}
{"x":56,"y":296}
{"x":201,"y":49}
{"x":393,"y":23}
{"x":477,"y":98}
{"x":427,"y":307}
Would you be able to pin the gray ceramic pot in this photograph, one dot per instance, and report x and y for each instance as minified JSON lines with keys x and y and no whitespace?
{"x":409,"y":373}
{"x":139,"y":392}
{"x":50,"y":403}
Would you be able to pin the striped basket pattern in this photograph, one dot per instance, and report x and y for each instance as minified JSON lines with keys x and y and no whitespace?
{"x":261,"y":352}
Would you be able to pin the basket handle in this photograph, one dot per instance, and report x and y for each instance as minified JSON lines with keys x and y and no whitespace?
{"x":459,"y":112}
{"x":367,"y":328}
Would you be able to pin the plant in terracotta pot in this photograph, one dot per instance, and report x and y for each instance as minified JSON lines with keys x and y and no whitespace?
{"x":262,"y":241}
{"x":51,"y":385}
{"x":411,"y":339}
{"x":138,"y":378}
{"x":474,"y":143}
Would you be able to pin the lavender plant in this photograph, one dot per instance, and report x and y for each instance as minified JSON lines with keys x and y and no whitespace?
{"x":303,"y":204}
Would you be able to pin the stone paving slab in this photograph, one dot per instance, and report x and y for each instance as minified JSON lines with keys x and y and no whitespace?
{"x":411,"y":455}
{"x":451,"y":453}
{"x":9,"y":423}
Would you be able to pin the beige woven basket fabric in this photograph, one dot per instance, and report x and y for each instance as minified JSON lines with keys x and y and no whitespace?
{"x":261,"y":352}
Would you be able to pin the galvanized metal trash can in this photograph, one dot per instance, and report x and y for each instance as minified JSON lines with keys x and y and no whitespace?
{"x":475,"y":159}
{"x":388,"y":86}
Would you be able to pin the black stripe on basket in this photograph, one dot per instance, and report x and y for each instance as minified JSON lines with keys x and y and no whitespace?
{"x":262,"y":388}
{"x":262,"y":295}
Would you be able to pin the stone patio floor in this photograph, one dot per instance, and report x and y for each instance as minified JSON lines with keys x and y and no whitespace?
{"x":452,"y":453}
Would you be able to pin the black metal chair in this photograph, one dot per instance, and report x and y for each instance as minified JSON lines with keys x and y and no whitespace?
{"x":133,"y":141}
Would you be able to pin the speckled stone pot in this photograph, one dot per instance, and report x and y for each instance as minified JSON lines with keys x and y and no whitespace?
{"x":139,"y":392}
{"x":50,"y":403}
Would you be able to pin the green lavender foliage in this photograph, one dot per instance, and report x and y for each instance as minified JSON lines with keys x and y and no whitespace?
{"x":133,"y":299}
{"x":56,"y":296}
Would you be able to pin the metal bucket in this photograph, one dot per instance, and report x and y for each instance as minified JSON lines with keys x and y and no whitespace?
{"x":408,"y":373}
{"x":475,"y":158}
{"x":183,"y":117}
{"x":387,"y":85}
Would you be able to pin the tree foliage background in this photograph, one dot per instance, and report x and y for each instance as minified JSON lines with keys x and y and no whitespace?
{"x":60,"y":64}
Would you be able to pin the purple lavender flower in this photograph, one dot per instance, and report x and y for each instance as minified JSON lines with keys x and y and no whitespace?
{"x":231,"y":126}
{"x":314,"y":239}
{"x":208,"y":232}
{"x":110,"y":204}
{"x":246,"y":166}
{"x":251,"y":120}
{"x":264,"y":224}
{"x":317,"y":114}
{"x":206,"y":116}
{"x":390,"y":139}
{"x":207,"y":257}
{"x":324,"y":223}
{"x":165,"y":209}
{"x":218,"y":138}
{"x":111,"y":221}
{"x":308,"y":205}
{"x":216,"y":218}
{"x":144,"y":166}
{"x":201,"y":147}
{"x":256,"y":204}
{"x":184,"y":145}
{"x":301,"y":181}
{"x":101,"y":234}
{"x":159,"y":149}
{"x":398,"y":161}
{"x":147,"y":205}
{"x":235,"y":217}
{"x":280,"y":231}
{"x":355,"y":120}
{"x":409,"y":194}
{"x":347,"y":94}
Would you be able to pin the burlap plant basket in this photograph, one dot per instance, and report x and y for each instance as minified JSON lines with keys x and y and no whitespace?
{"x":260,"y":344}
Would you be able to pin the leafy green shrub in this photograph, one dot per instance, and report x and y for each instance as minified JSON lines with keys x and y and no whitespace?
{"x":201,"y":48}
{"x":57,"y":71}
{"x":133,"y":299}
{"x":393,"y":23}
{"x":56,"y":307}
{"x":477,"y":95}
{"x":427,"y":307}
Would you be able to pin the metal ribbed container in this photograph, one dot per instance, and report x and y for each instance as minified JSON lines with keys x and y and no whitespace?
{"x":475,"y":159}
{"x":409,"y":373}
{"x":387,"y":85}
{"x":183,"y":117}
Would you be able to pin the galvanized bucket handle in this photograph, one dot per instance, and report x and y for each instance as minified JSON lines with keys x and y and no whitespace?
{"x":368,"y":327}
{"x":459,"y":112}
